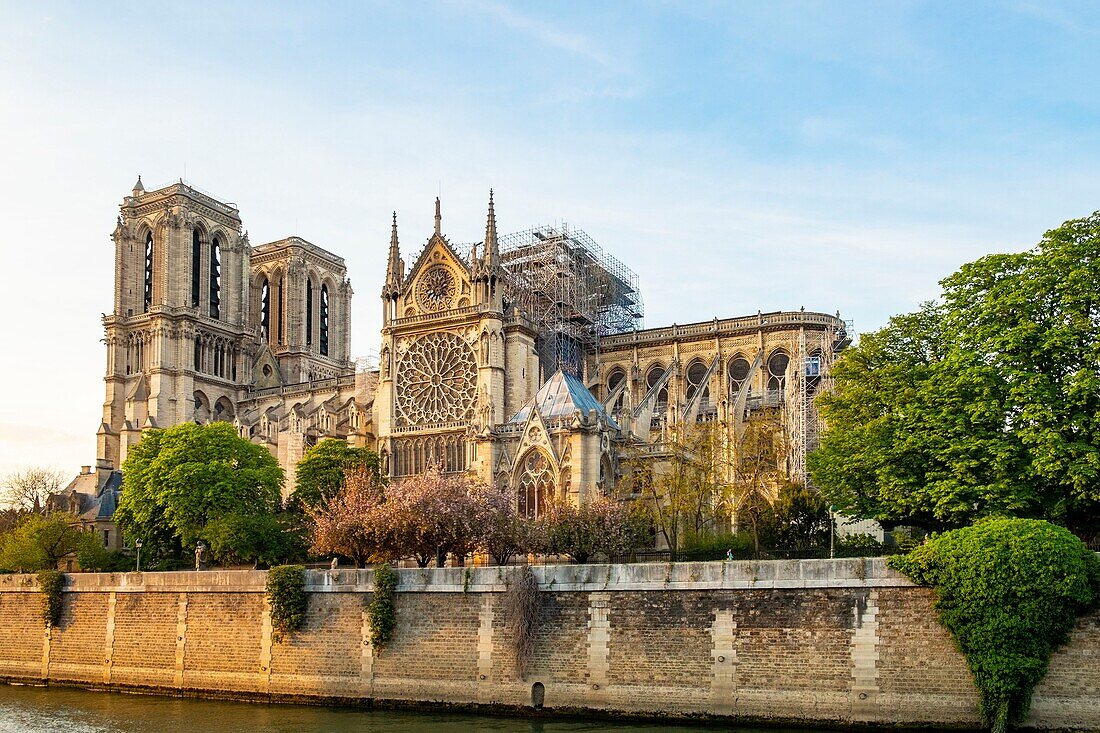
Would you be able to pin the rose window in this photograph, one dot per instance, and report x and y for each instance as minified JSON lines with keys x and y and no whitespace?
{"x":436,"y":380}
{"x":435,"y":289}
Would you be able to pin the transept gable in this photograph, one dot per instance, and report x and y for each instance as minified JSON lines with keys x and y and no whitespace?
{"x":427,"y":288}
{"x":536,"y":436}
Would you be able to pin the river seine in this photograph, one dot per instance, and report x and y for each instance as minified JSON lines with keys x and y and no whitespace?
{"x":60,"y":710}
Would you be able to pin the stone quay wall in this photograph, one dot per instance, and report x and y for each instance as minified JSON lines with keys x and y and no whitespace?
{"x":831,"y":642}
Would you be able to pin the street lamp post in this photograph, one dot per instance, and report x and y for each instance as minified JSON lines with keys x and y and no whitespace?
{"x":137,"y":544}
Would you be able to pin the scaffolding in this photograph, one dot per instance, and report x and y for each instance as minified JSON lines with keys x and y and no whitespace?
{"x":573,"y":292}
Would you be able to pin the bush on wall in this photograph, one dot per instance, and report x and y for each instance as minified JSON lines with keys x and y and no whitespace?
{"x":1010,"y":591}
{"x":286,"y":595}
{"x":381,"y":609}
{"x":50,"y":582}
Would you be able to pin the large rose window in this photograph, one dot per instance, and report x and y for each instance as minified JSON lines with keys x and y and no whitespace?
{"x":436,"y":379}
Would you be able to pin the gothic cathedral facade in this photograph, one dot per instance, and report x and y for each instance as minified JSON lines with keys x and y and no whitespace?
{"x":481,"y":370}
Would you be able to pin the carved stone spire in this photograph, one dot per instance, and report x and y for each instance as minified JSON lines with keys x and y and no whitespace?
{"x":438,"y":218}
{"x":492,"y":248}
{"x":394,"y":266}
{"x":138,"y":188}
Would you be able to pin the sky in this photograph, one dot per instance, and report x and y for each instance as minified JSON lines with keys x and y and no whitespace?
{"x":737,"y":156}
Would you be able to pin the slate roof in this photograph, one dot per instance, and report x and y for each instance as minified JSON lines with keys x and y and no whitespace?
{"x":561,"y":396}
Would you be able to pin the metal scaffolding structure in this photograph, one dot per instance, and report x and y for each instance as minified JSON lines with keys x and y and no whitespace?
{"x":572,"y":290}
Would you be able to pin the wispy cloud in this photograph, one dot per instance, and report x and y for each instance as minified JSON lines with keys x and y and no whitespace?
{"x":544,"y":32}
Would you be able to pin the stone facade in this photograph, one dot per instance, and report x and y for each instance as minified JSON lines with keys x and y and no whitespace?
{"x":839,"y":642}
{"x":207,"y":327}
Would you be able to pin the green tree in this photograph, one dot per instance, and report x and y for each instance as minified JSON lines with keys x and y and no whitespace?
{"x":176,"y":481}
{"x":798,"y":520}
{"x":320,"y":473}
{"x":985,"y":402}
{"x":689,"y":491}
{"x":40,"y":543}
{"x":259,"y":539}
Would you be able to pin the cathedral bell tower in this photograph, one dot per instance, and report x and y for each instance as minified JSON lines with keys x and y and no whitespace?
{"x":176,"y":346}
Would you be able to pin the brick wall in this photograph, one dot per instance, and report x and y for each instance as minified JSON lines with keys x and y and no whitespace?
{"x":794,"y":641}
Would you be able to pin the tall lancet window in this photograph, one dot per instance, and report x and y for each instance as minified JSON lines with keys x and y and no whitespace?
{"x":279,"y":308}
{"x":215,"y":278}
{"x":148,"y":271}
{"x":196,"y":267}
{"x":309,"y":312}
{"x":265,"y":311}
{"x":324,"y":320}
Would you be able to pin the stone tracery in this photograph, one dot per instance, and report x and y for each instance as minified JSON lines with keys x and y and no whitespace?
{"x":436,"y":378}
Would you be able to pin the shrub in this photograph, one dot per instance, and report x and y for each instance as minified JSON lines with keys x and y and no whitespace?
{"x":50,"y":582}
{"x":381,"y":609}
{"x":858,"y":545}
{"x":714,"y":545}
{"x":1010,"y":591}
{"x":286,"y":595}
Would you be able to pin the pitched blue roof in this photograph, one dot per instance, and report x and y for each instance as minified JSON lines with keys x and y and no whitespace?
{"x":561,"y":396}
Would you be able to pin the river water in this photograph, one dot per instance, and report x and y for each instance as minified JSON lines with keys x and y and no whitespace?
{"x":61,"y":710}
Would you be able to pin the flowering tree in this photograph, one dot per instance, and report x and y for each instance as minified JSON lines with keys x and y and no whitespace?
{"x":503,"y":532}
{"x":603,"y":525}
{"x":432,"y":514}
{"x":356,"y":523}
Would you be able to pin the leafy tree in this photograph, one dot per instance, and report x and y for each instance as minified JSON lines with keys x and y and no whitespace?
{"x":756,"y":473}
{"x":1010,"y":591}
{"x":261,"y":539}
{"x":985,"y":402}
{"x":176,"y":481}
{"x":320,"y":473}
{"x":503,"y":532}
{"x":799,"y":519}
{"x":690,"y":490}
{"x":40,"y":543}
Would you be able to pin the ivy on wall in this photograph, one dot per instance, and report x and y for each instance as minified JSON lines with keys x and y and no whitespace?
{"x":287,"y":598}
{"x":381,"y":609}
{"x":50,"y":582}
{"x":1010,"y":591}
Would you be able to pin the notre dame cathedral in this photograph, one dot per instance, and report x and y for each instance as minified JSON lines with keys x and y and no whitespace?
{"x":519,"y":358}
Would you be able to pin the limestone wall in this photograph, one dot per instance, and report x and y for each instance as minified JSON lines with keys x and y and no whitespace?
{"x":833,"y":641}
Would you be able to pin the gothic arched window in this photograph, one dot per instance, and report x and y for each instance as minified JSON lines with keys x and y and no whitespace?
{"x":215,"y":278}
{"x":738,"y":372}
{"x":651,"y":378}
{"x":196,"y":266}
{"x":148,"y":271}
{"x":614,"y":379}
{"x":309,"y":312}
{"x":324,"y":320}
{"x":265,"y":310}
{"x":279,"y":310}
{"x":696,"y":374}
{"x":777,"y":371}
{"x":536,"y":484}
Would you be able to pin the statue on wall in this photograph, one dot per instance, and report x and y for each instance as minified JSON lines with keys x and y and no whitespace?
{"x":200,"y":555}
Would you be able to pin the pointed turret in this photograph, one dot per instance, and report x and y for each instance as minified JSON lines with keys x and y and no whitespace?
{"x":138,"y":188}
{"x":492,"y":248}
{"x":438,"y":219}
{"x":395,"y":274}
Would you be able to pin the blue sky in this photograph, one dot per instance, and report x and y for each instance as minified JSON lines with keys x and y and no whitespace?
{"x":738,"y":156}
